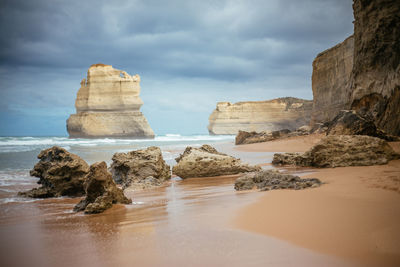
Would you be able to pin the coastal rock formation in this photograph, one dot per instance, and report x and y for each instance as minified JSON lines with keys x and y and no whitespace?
{"x":244,"y":137}
{"x":61,"y":173}
{"x":349,"y":122}
{"x":101,"y":191}
{"x":107,"y":105}
{"x":282,"y":113}
{"x":341,"y":151}
{"x":206,"y":161}
{"x":269,"y":180}
{"x":363,"y":72}
{"x":331,"y":81}
{"x":140,"y":168}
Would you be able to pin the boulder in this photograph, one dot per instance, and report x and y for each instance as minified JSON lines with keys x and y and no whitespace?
{"x":254,"y":137}
{"x":60,"y":173}
{"x":206,"y":161}
{"x":349,"y":122}
{"x":341,"y":151}
{"x":140,"y":169}
{"x":101,"y":191}
{"x":269,"y":180}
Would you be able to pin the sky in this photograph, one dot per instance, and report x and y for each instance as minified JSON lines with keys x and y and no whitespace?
{"x":189,"y":54}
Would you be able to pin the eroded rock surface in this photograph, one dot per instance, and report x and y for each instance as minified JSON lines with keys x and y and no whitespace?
{"x":206,"y":161}
{"x":271,"y":180}
{"x":101,"y":191}
{"x":61,"y":173}
{"x":108,"y":105}
{"x":341,"y":151}
{"x":272,"y":115}
{"x":244,"y":137}
{"x":349,"y":122}
{"x":140,"y":169}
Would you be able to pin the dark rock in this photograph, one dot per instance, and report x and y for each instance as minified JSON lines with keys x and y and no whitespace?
{"x":101,"y":191}
{"x":341,"y":151}
{"x":61,"y":173}
{"x":206,"y":161}
{"x":349,"y":122}
{"x":272,"y":180}
{"x":132,"y":168}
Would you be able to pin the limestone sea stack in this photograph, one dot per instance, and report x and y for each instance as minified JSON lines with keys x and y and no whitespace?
{"x":271,"y":115}
{"x":108,"y":105}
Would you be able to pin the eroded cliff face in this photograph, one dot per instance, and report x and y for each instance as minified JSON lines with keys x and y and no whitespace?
{"x":108,"y":105}
{"x":376,"y":70}
{"x":331,"y":81}
{"x":365,"y":78}
{"x":282,"y":113}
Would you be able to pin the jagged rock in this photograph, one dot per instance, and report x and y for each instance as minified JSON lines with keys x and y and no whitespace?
{"x":254,"y":137}
{"x":270,"y":180}
{"x":61,"y":173}
{"x":108,"y":105}
{"x":341,"y":151}
{"x":363,"y":72}
{"x":349,"y":122}
{"x":135,"y":168}
{"x":101,"y":191}
{"x":282,"y":113}
{"x":206,"y":161}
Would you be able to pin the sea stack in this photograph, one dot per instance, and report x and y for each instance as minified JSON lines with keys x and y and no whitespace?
{"x":270,"y":115}
{"x":108,"y":105}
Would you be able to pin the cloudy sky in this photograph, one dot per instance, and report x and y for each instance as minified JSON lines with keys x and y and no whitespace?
{"x":189,"y":54}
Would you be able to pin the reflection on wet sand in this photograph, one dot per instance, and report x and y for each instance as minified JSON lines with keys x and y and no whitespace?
{"x":184,"y":223}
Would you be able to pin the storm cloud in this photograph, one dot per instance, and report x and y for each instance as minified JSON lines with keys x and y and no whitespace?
{"x":190,"y":54}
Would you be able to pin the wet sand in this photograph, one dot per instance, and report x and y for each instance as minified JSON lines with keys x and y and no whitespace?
{"x":185,"y":223}
{"x":355,"y":215}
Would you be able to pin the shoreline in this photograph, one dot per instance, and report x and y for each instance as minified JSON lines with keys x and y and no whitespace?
{"x":354,"y":215}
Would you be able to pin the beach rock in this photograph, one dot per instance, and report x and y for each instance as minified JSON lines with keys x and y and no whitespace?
{"x":101,"y":191}
{"x":363,"y":72}
{"x":254,"y":137}
{"x":61,"y":173}
{"x":270,"y":180}
{"x":349,"y":122}
{"x":206,"y":161}
{"x":108,"y":105}
{"x":271,"y":115}
{"x":341,"y":151}
{"x":140,"y":169}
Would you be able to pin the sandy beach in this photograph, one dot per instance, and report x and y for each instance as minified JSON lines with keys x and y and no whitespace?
{"x":354,"y":215}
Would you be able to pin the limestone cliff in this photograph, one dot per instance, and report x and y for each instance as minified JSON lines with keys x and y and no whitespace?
{"x":282,"y":113}
{"x":108,"y":105}
{"x":363,"y":72}
{"x":331,"y":81}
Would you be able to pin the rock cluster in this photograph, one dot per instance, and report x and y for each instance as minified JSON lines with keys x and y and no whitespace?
{"x":363,"y":72}
{"x":349,"y":122}
{"x":101,"y":191}
{"x":108,"y":105}
{"x":270,"y":180}
{"x":206,"y":161}
{"x":341,"y":151}
{"x":140,"y":168}
{"x":244,"y":137}
{"x":282,"y":113}
{"x":61,"y":173}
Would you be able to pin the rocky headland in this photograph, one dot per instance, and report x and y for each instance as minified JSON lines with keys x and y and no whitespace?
{"x":108,"y":105}
{"x":363,"y":72}
{"x":282,"y":113}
